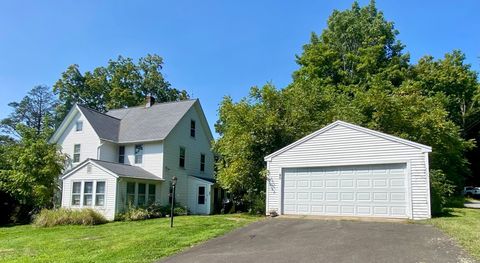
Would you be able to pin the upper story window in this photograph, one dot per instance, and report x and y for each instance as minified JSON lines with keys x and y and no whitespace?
{"x":181,"y":159}
{"x":192,"y":128}
{"x":202,"y":162}
{"x":138,"y":153}
{"x":76,"y":153}
{"x":79,"y":126}
{"x":121,"y":154}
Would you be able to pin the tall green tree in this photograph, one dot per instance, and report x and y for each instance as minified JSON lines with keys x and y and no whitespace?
{"x":33,"y":110}
{"x":354,"y":71}
{"x":121,"y":83}
{"x":30,"y":170}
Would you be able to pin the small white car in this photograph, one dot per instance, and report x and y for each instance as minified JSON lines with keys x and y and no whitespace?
{"x":471,"y":191}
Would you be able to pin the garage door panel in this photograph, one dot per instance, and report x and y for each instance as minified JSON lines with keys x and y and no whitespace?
{"x":370,"y":190}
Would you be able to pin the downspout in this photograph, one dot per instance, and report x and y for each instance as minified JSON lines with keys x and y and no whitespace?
{"x":98,"y":149}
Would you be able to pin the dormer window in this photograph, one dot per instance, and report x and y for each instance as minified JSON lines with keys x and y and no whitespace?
{"x":79,"y":126}
{"x":192,"y":128}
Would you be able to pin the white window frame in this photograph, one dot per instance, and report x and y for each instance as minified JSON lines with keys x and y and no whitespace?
{"x":75,"y":153}
{"x":91,"y":194}
{"x":79,"y":194}
{"x":99,"y":194}
{"x":79,"y":124}
{"x":140,"y":155}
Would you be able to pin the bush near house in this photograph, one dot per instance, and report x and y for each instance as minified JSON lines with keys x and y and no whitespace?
{"x":62,"y":216}
{"x":152,"y":211}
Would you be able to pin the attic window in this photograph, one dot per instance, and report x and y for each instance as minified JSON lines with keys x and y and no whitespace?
{"x":192,"y":128}
{"x":79,"y":126}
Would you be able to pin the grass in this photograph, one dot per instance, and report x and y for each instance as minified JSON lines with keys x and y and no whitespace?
{"x":462,"y":224}
{"x":138,"y":241}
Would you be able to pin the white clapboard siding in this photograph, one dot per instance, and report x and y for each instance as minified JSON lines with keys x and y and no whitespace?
{"x":342,"y":145}
{"x":96,"y":174}
{"x":180,"y":137}
{"x":87,"y":138}
{"x":152,"y":157}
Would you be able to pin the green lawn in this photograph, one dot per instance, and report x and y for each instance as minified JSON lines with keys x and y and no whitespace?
{"x":140,"y":241}
{"x":463,"y":224}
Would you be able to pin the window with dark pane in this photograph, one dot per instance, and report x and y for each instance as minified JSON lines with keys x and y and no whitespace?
{"x":192,"y":128}
{"x":181,"y":159}
{"x":201,"y":195}
{"x":121,"y":154}
{"x":142,"y":191}
{"x":202,"y":162}
{"x":151,"y":193}
{"x":130,"y":193}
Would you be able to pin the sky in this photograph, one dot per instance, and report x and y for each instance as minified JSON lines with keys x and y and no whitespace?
{"x":211,"y":49}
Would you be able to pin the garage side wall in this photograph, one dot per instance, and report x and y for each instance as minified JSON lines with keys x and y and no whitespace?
{"x":346,"y":146}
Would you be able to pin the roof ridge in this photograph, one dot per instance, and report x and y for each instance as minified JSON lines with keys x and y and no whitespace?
{"x":96,"y":111}
{"x":154,"y":105}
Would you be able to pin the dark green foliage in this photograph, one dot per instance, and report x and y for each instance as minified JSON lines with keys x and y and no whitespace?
{"x":441,"y":189}
{"x":36,"y":110}
{"x":122,"y":83}
{"x":354,"y":71}
{"x":57,"y":217}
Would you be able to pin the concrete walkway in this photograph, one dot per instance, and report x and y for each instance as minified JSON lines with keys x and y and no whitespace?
{"x":308,"y":240}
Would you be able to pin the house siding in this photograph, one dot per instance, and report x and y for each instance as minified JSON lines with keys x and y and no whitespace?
{"x":180,"y":137}
{"x":152,"y":157}
{"x":342,"y":145}
{"x":87,"y":138}
{"x":96,"y":174}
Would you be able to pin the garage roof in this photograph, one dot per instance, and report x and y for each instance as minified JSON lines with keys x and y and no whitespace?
{"x":351,"y":126}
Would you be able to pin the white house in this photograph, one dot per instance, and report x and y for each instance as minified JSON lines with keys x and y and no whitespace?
{"x":347,"y":170}
{"x":128,"y":156}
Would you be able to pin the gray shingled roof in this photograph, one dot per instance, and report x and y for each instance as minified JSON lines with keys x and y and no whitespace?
{"x":104,"y":125}
{"x":148,"y":124}
{"x":137,"y":124}
{"x":125,"y":170}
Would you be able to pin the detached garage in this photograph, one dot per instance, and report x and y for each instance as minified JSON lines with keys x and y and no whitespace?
{"x":348,"y":170}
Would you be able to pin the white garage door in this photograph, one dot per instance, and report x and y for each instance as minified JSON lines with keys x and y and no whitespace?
{"x":368,"y":190}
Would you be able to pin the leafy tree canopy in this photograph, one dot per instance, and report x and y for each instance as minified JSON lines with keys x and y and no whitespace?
{"x":32,"y":111}
{"x":354,"y":71}
{"x":122,"y":83}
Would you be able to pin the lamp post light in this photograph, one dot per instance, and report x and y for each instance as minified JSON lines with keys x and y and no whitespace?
{"x":174,"y":182}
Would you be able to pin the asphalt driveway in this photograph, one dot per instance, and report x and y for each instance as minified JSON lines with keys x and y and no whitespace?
{"x":312,"y":240}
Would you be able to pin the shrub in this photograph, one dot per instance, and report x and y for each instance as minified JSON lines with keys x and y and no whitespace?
{"x":441,"y":190}
{"x":152,"y":211}
{"x":62,"y":216}
{"x":135,"y":214}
